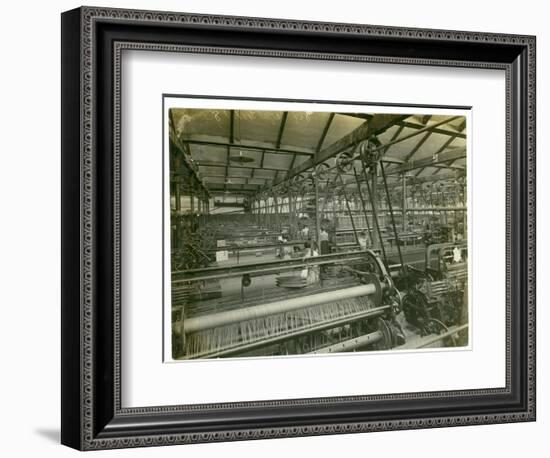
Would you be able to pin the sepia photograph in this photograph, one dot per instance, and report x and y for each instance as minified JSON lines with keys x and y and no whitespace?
{"x":314,"y":229}
{"x":281,"y":228}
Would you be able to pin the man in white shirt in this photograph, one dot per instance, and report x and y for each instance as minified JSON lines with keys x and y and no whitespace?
{"x":362,"y":239}
{"x":311,"y":273}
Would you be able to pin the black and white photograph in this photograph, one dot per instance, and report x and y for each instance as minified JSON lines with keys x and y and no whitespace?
{"x":294,"y":232}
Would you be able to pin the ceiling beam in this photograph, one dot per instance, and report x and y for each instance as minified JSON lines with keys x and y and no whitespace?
{"x":432,"y":161}
{"x":424,"y":119}
{"x":447,"y":143}
{"x":377,"y":124}
{"x":448,"y":165}
{"x":394,"y":137}
{"x":290,"y":168}
{"x":266,"y":149}
{"x":235,"y":166}
{"x":231,"y":126}
{"x":231,"y":140}
{"x":417,"y":146}
{"x":221,"y":175}
{"x":392,"y":160}
{"x":366,"y":116}
{"x":435,"y":130}
{"x":324,"y":133}
{"x":281,"y":129}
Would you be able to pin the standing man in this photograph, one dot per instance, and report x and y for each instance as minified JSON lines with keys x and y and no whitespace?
{"x":362,"y":239}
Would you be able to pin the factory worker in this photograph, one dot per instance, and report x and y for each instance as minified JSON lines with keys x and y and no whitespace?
{"x":324,"y":243}
{"x":314,"y":249}
{"x":286,"y":251}
{"x":305,"y":232}
{"x":362,"y":239}
{"x":310,"y":251}
{"x":312,"y":272}
{"x":280,"y":239}
{"x":457,"y":255}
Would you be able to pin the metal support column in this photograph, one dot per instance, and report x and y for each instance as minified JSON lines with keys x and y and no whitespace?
{"x":404,"y":202}
{"x":292,"y":229}
{"x":199,"y":209}
{"x":317,"y":215}
{"x":374,"y":203}
{"x":177,"y":196}
{"x":277,"y":220}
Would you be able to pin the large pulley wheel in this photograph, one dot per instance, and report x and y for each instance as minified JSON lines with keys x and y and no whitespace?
{"x":297,"y":184}
{"x":282,"y":189}
{"x":438,"y":327}
{"x":309,"y":182}
{"x":344,"y":162}
{"x":322,"y":172}
{"x":387,"y":341}
{"x":395,"y":295}
{"x":369,"y":152}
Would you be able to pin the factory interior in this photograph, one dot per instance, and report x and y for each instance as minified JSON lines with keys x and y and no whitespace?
{"x":295,"y":232}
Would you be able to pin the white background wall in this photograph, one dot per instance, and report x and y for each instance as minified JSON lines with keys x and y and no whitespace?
{"x":30,"y":214}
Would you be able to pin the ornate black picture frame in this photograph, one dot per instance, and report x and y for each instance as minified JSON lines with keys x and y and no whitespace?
{"x":92,"y":415}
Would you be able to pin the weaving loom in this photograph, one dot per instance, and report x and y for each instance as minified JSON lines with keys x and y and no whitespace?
{"x":308,"y":321}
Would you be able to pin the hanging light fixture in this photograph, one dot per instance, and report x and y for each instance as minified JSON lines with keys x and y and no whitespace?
{"x":240,"y":159}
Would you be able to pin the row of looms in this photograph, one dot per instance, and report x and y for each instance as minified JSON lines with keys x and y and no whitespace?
{"x":316,"y":232}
